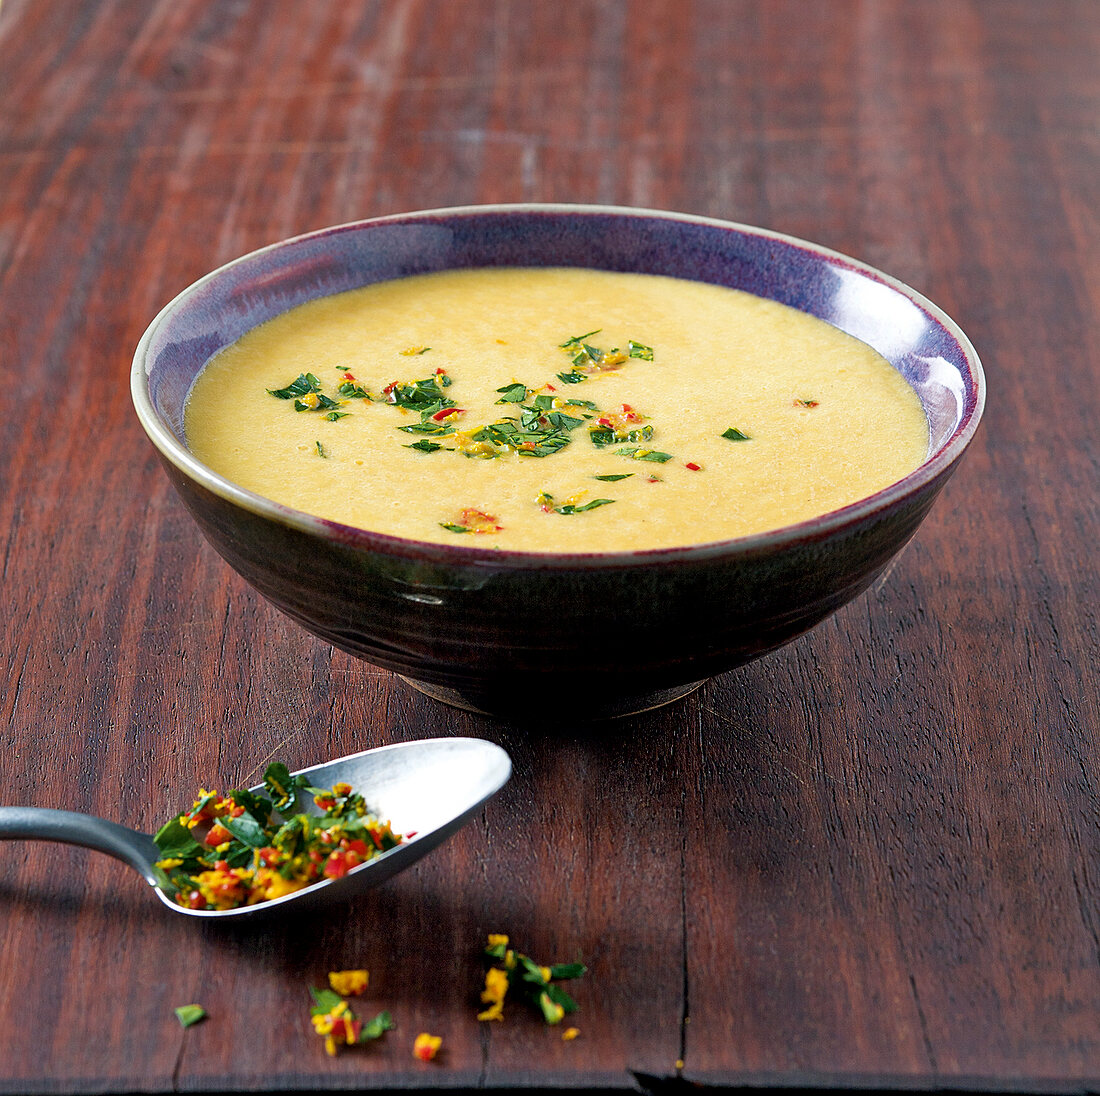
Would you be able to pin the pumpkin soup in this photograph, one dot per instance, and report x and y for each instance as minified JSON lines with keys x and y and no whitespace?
{"x":555,"y":410}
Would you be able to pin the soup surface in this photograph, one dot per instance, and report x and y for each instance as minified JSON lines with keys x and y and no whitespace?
{"x":556,"y":410}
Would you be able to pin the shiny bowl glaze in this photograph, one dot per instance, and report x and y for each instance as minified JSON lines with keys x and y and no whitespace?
{"x":504,"y":631}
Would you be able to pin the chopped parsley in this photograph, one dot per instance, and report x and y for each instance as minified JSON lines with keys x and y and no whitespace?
{"x":733,"y":434}
{"x":425,"y":446}
{"x":306,"y":382}
{"x":571,"y":377}
{"x":423,"y":395}
{"x":334,"y":416}
{"x":352,"y":391}
{"x":614,"y":478}
{"x":603,"y":436}
{"x":513,"y":393}
{"x":637,"y":453}
{"x":321,"y":450}
{"x":639,"y":350}
{"x":577,"y":340}
{"x":546,"y":503}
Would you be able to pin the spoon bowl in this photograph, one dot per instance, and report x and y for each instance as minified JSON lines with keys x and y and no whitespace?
{"x":429,"y":788}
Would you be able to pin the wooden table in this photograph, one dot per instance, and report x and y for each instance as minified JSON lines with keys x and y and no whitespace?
{"x":869,"y":859}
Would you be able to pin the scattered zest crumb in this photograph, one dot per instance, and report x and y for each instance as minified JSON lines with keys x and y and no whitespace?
{"x":348,"y":983}
{"x":426,"y":1046}
{"x":569,"y":1034}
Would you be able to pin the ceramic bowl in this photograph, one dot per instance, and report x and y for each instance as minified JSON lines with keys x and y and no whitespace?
{"x":451,"y":619}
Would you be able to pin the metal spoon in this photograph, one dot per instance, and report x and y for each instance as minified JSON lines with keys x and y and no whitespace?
{"x":430,"y":788}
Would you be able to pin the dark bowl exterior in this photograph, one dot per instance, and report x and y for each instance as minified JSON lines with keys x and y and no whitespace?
{"x":498,"y":630}
{"x":499,"y":636}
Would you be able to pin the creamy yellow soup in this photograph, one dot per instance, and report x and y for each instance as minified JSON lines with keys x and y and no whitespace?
{"x":555,"y":410}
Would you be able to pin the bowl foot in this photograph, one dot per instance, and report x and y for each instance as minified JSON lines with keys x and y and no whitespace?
{"x":499,"y":707}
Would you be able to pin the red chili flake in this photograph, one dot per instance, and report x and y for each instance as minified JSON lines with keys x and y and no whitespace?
{"x":447,"y":412}
{"x":655,"y":479}
{"x":693,"y":466}
{"x":550,"y":388}
{"x":805,"y":403}
{"x":337,"y":866}
{"x":218,"y":835}
{"x":348,"y":376}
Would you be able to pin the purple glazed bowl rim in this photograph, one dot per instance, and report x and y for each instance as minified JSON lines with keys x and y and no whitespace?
{"x":932,"y":470}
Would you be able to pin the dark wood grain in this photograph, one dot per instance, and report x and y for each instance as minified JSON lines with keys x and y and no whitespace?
{"x":872,"y":858}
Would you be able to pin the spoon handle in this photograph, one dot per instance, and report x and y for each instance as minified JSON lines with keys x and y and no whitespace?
{"x":42,"y":824}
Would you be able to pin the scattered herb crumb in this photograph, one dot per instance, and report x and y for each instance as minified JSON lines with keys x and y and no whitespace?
{"x":733,"y":434}
{"x":333,"y":1018}
{"x":321,"y":450}
{"x":524,"y":978}
{"x":189,"y":1015}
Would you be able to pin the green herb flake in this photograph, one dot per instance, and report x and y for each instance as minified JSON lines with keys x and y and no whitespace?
{"x":305,"y":383}
{"x":281,"y":786}
{"x":174,"y":841}
{"x":733,"y":434}
{"x":451,"y":527}
{"x":603,"y":436}
{"x":373,"y":1029}
{"x":569,"y":508}
{"x":614,"y":478}
{"x":325,"y":1000}
{"x":335,"y":416}
{"x":246,"y":830}
{"x":572,"y":377}
{"x":189,"y":1015}
{"x":639,"y":350}
{"x":513,"y":393}
{"x":425,"y":446}
{"x":546,"y":502}
{"x":321,"y":450}
{"x":351,"y":391}
{"x":576,"y":340}
{"x":644,"y":454}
